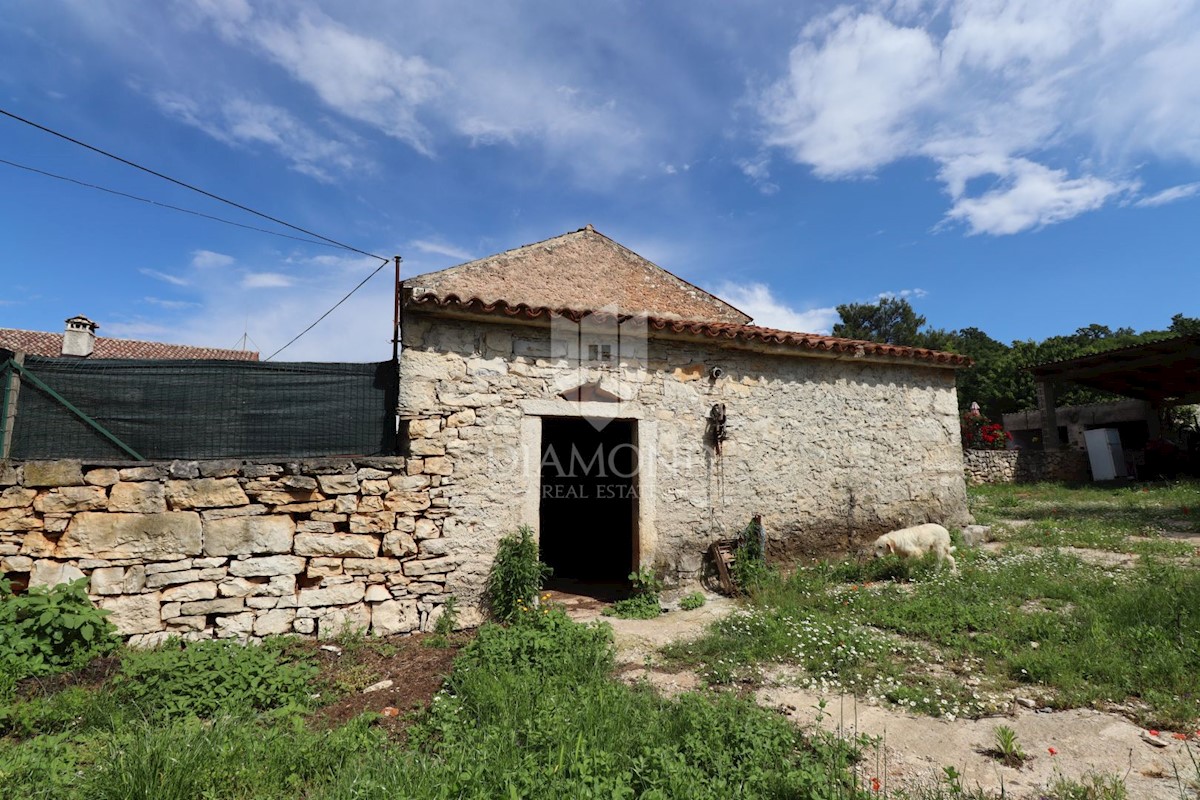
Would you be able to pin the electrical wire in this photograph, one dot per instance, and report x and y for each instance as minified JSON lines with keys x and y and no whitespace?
{"x":184,"y":184}
{"x":330,"y":311}
{"x":324,"y":240}
{"x":163,"y":205}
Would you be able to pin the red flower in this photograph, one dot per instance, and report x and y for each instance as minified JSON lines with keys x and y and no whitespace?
{"x":1052,"y":751}
{"x":1154,"y":733}
{"x":875,"y":785}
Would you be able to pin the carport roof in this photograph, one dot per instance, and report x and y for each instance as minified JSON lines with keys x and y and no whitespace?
{"x":1166,"y":370}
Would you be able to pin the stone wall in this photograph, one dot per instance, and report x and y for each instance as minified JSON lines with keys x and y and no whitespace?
{"x":236,"y":549}
{"x":828,"y":451}
{"x":1025,"y":466}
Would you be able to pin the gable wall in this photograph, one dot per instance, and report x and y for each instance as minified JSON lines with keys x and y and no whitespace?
{"x":829,"y":452}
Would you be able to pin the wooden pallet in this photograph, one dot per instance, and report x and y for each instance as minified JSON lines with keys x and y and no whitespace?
{"x":722,"y":554}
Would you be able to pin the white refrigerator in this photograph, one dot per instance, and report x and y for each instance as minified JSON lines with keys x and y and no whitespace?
{"x":1105,"y":454}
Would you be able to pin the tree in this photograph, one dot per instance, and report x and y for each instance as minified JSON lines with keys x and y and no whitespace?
{"x":890,"y":321}
{"x":1181,"y":325}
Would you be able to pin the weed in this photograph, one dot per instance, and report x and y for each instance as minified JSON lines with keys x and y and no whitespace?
{"x":517,"y":575}
{"x":1007,"y":749}
{"x":445,"y":625}
{"x":47,"y":629}
{"x":646,"y":601}
{"x":690,"y":602}
{"x":208,"y":677}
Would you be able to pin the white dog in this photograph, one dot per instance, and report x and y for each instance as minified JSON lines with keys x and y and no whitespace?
{"x":916,"y":541}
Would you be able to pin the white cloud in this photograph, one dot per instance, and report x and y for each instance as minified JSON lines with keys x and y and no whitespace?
{"x":265,"y":280}
{"x":441,"y":249}
{"x":206,"y":259}
{"x":241,"y":123}
{"x":1181,"y":192}
{"x":1054,"y":103}
{"x":174,"y":280}
{"x":903,"y":294}
{"x":170,"y":304}
{"x":757,"y":300}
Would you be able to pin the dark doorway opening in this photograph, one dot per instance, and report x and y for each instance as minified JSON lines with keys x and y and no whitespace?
{"x":589,"y":503}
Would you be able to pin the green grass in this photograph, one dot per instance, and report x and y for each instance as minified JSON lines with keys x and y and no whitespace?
{"x":529,"y":711}
{"x":940,"y":644}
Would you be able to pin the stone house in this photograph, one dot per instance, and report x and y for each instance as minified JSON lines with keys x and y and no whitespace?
{"x":630,"y":418}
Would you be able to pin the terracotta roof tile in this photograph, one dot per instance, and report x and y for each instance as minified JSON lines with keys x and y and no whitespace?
{"x":582,"y":269}
{"x":729,"y":332}
{"x":41,"y":343}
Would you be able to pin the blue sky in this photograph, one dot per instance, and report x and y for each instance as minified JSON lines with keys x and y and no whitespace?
{"x":1022,"y":167}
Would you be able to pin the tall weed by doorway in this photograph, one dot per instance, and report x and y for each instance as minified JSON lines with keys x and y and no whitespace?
{"x":517,"y":575}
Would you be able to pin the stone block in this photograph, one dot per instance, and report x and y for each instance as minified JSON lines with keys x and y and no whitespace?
{"x":93,"y":534}
{"x":305,"y":483}
{"x":16,"y":563}
{"x":235,"y":625}
{"x":429,"y":566}
{"x":10,"y":474}
{"x":437,"y":547}
{"x":395,"y":616}
{"x":324,"y":567}
{"x":65,"y":472}
{"x":305,"y":627}
{"x":399,"y":544}
{"x":275,"y":622}
{"x":333,"y":622}
{"x":220,"y":468}
{"x":371,"y":474}
{"x":17,"y":497}
{"x":204,"y":590}
{"x":56,"y":523}
{"x":178,"y":623}
{"x":312,"y":526}
{"x":52,"y":573}
{"x":261,"y":470}
{"x":248,"y":535}
{"x":368,"y":504}
{"x":206,"y":493}
{"x":371,"y":566}
{"x":406,"y":502}
{"x":107,"y":580}
{"x":18,"y":519}
{"x":70,"y":499}
{"x":184,"y":469}
{"x":136,"y":613}
{"x":252,"y":510}
{"x":222,"y":605}
{"x":338,"y":484}
{"x":426,"y":529}
{"x":373,"y":488}
{"x":144,"y":497}
{"x":105,"y":476}
{"x":288,"y":497}
{"x":141,"y":474}
{"x":461,"y":419}
{"x":343,"y":545}
{"x":158,"y":580}
{"x":377,"y":522}
{"x":267,"y":566}
{"x":439,"y":465}
{"x":426,"y":447}
{"x":409,"y":482}
{"x":377,"y":594}
{"x":168,"y":566}
{"x":339,"y":595}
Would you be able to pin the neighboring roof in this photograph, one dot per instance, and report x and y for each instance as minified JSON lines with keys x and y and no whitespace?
{"x":724,"y":332}
{"x":1168,"y":369}
{"x":41,"y":343}
{"x":583,"y":269}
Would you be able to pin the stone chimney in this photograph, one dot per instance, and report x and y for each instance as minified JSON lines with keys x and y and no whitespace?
{"x":80,"y":337}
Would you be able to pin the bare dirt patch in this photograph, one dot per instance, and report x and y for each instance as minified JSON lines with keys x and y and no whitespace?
{"x":416,"y":671}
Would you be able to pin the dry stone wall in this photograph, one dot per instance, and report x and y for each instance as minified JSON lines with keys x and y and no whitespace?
{"x":235,"y":549}
{"x":1025,"y":466}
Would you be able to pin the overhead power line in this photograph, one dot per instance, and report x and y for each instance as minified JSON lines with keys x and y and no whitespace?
{"x":323,"y":240}
{"x":184,"y":184}
{"x":164,"y":205}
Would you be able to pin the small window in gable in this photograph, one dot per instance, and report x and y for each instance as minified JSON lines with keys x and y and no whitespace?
{"x":599,"y":352}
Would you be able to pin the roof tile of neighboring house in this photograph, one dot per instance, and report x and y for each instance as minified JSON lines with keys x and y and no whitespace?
{"x":41,"y":343}
{"x":583,"y":269}
{"x":722,"y":331}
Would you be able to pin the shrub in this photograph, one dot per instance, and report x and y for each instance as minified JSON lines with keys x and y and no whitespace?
{"x":980,"y":433}
{"x":49,"y":629}
{"x":692,"y":601}
{"x":517,"y":575}
{"x":207,"y":677}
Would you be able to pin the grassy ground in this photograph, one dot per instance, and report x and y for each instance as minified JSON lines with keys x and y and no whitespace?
{"x":528,"y":711}
{"x":1038,"y":620}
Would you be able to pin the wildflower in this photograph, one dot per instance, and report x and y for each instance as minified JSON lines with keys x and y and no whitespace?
{"x":1154,"y":733}
{"x":875,"y":785}
{"x":1052,"y":751}
{"x":1180,"y":736}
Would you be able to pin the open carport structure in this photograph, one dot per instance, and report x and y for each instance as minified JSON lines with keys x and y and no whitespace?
{"x":1165,"y":373}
